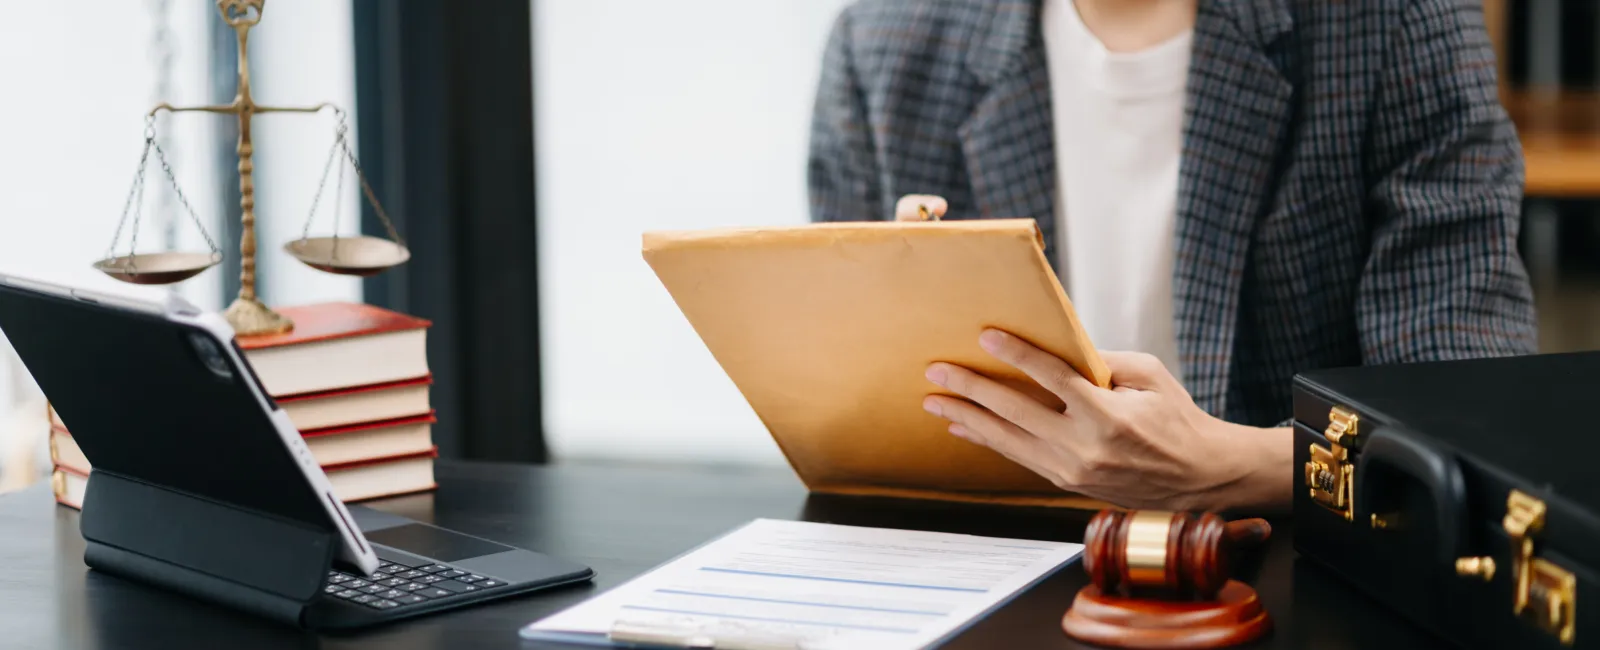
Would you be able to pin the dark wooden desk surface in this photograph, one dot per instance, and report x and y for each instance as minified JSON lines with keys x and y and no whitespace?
{"x":621,"y":521}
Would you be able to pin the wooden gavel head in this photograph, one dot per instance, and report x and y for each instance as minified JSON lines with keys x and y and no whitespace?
{"x":1171,"y":555}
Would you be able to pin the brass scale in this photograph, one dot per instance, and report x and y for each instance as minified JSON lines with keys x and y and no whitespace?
{"x":358,"y":256}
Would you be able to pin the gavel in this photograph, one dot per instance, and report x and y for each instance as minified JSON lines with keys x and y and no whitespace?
{"x":1161,"y":580}
{"x":1166,"y":555}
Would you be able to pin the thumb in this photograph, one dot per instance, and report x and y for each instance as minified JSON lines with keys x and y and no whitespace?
{"x":911,"y":207}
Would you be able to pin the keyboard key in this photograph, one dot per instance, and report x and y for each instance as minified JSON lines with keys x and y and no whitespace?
{"x":455,"y":586}
{"x":373,"y":589}
{"x":348,"y":594}
{"x":383,"y":604}
{"x":467,"y":578}
{"x":356,"y":584}
{"x":394,"y":582}
{"x":434,"y":568}
{"x":428,"y":580}
{"x":332,"y":589}
{"x":413,"y":586}
{"x":489,"y":583}
{"x":453,"y":573}
{"x":410,"y":575}
{"x":335,"y":577}
{"x":410,"y":599}
{"x":392,"y":594}
{"x":363,"y":599}
{"x":434,"y":592}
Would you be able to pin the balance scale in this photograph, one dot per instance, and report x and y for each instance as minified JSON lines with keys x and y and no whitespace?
{"x":358,"y":256}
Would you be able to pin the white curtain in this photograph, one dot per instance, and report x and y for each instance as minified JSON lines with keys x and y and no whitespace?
{"x":77,"y":86}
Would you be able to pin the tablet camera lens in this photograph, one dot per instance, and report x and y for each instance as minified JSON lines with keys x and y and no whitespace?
{"x":211,"y":356}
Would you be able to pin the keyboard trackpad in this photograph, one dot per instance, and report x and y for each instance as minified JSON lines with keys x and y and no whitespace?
{"x":437,"y":543}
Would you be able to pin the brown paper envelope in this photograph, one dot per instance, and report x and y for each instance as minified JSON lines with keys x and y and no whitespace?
{"x":826,"y":329}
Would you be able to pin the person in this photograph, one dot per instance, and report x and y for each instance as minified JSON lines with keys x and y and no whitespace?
{"x":1232,"y":192}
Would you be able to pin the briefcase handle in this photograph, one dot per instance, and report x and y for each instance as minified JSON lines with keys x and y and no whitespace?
{"x":1388,"y":455}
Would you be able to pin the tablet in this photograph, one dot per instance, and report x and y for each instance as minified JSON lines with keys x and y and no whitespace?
{"x":160,"y":392}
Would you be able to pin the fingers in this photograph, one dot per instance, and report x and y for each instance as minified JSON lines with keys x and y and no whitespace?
{"x":980,"y":426}
{"x":1047,"y":369}
{"x":1001,"y":400}
{"x":919,"y":207}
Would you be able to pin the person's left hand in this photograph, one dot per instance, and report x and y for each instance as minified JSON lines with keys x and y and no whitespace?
{"x":1142,"y":444}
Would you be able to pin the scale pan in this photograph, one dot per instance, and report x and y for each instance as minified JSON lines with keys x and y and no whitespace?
{"x":362,"y":256}
{"x":157,"y":268}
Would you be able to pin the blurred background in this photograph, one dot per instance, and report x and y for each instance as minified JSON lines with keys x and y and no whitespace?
{"x":522,"y":148}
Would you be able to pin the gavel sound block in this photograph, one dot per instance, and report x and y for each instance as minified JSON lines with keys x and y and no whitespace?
{"x":1161,"y":580}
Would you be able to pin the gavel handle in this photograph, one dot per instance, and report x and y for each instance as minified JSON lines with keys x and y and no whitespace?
{"x":1247,"y":531}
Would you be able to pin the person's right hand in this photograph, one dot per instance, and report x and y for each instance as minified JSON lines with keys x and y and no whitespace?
{"x":908,"y":208}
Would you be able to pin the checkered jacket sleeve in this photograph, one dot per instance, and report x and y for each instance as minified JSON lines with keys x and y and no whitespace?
{"x":1443,"y":278}
{"x":842,"y":173}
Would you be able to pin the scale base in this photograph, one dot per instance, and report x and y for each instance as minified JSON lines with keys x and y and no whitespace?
{"x":250,"y":317}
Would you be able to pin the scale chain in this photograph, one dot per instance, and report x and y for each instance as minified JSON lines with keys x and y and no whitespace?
{"x":323,"y":183}
{"x":338,"y":207}
{"x":138,"y":212}
{"x":133,"y":190}
{"x":371,"y":197}
{"x":342,"y":143}
{"x":161,"y":156}
{"x":135,"y":200}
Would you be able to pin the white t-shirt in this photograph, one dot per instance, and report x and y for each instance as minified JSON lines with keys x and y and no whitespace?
{"x":1118,"y":138}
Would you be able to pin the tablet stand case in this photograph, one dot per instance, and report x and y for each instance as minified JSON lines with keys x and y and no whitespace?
{"x":254,"y":562}
{"x":1463,"y":495}
{"x":826,"y":329}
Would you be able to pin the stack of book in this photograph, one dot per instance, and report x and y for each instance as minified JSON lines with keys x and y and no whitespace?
{"x":355,"y":381}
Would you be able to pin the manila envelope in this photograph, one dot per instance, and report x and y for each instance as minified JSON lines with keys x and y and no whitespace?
{"x":826,"y":329}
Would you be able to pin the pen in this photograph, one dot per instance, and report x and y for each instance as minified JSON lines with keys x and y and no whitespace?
{"x":663,"y":635}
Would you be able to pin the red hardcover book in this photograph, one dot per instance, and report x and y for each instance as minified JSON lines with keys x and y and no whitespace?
{"x":69,"y":485}
{"x":350,"y":406}
{"x":361,"y":481}
{"x":346,"y":406}
{"x":340,"y":445}
{"x":338,"y":345}
{"x":330,"y":447}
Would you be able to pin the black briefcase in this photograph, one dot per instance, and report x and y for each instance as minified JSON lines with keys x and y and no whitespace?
{"x":1462,"y":495}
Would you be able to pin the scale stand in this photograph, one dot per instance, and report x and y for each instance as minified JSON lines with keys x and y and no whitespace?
{"x":359,"y":256}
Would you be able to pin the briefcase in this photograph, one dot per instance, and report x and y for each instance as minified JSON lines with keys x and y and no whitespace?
{"x":1461,"y":495}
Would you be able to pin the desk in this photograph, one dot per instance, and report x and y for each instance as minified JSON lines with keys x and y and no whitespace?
{"x":621,"y":521}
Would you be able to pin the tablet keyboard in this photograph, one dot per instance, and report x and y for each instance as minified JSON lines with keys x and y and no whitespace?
{"x":397,"y":585}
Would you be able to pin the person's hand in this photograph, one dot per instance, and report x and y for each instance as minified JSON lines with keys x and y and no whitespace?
{"x":910,"y":207}
{"x":1141,"y":444}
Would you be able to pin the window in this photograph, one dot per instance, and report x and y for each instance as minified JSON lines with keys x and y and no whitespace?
{"x":655,"y":115}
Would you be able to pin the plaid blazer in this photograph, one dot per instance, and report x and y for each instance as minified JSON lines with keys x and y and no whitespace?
{"x":1350,"y":186}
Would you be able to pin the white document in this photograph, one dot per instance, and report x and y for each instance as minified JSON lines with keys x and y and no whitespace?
{"x":784,"y":585}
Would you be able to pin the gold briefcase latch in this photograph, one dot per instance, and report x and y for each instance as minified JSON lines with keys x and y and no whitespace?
{"x":1545,"y":594}
{"x":1330,"y":474}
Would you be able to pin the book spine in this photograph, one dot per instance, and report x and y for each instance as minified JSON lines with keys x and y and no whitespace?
{"x":58,"y":485}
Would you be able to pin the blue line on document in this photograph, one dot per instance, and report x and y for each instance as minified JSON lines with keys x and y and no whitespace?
{"x":858,"y":582}
{"x":798,"y":602}
{"x":1031,"y":548}
{"x":868,"y":628}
